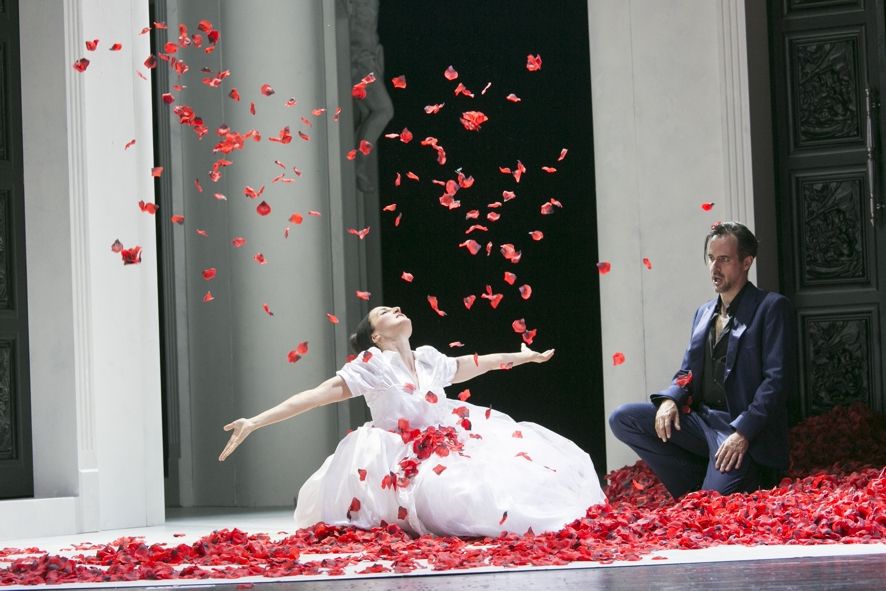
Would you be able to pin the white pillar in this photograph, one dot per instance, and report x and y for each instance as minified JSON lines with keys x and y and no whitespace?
{"x":671,"y":130}
{"x":94,"y":339}
{"x":237,"y":354}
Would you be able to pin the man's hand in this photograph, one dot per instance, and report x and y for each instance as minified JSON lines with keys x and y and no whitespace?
{"x":668,"y":415}
{"x":731,"y":452}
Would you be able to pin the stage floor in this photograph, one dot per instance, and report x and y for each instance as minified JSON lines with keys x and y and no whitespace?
{"x":831,"y":566}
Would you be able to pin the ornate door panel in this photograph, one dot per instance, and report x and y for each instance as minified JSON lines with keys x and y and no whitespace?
{"x":16,"y":472}
{"x":828,"y":68}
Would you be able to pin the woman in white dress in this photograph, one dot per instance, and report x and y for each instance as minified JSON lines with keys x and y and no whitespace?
{"x":429,"y":463}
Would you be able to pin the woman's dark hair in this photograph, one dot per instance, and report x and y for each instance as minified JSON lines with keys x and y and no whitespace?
{"x":362,"y":337}
{"x":747,"y":242}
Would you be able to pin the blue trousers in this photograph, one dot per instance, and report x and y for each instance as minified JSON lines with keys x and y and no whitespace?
{"x":686,"y":461}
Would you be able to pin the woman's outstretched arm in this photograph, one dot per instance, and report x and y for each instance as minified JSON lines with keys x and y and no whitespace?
{"x":332,"y":390}
{"x":468,"y":368}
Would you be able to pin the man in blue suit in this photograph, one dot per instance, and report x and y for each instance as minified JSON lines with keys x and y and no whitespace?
{"x":722,"y":424}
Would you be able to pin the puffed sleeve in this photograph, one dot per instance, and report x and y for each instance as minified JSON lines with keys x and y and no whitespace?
{"x":366,"y":373}
{"x":443,"y":366}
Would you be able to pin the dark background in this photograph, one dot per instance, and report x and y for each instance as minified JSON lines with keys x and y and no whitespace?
{"x":488,"y":41}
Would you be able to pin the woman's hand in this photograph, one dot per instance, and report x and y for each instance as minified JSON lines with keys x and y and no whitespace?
{"x":535,"y":357}
{"x":241,"y":429}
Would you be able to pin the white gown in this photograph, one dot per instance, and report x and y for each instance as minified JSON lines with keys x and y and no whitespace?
{"x":478,"y":477}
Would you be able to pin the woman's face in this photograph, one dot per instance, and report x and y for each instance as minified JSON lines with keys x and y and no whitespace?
{"x":389,"y":324}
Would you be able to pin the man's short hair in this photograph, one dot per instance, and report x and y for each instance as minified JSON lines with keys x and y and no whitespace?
{"x":747,"y":242}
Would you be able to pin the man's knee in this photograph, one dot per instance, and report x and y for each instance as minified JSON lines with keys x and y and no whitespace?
{"x":628,"y":418}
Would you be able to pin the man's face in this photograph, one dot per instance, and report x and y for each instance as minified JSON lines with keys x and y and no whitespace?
{"x":729,"y":273}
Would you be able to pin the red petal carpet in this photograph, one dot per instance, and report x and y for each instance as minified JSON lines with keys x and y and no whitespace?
{"x":835,"y":494}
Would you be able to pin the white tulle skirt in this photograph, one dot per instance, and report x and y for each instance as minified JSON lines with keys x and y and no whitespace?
{"x":507,"y":476}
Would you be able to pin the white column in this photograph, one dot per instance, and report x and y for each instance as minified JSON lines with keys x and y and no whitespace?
{"x":670,"y":131}
{"x":94,"y":336}
{"x":237,"y":354}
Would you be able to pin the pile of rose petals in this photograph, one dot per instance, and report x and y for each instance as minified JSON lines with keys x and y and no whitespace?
{"x":836,"y":493}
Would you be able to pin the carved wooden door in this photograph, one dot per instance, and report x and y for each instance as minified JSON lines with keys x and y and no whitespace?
{"x":828,"y":67}
{"x":16,"y":472}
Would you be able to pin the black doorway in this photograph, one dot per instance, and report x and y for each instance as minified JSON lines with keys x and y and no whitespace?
{"x":16,"y":467}
{"x":489,"y":42}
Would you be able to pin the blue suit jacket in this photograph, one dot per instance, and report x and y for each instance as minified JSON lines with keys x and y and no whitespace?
{"x":761,"y":359}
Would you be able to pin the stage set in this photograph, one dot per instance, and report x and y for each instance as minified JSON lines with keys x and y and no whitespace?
{"x":201,"y":199}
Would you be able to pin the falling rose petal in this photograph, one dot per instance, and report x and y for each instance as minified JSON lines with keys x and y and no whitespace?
{"x":434,"y":109}
{"x":431,"y":397}
{"x":485,"y":88}
{"x":464,"y":395}
{"x":263,"y":208}
{"x":536,"y":235}
{"x":412,"y":176}
{"x":390,"y":207}
{"x":604,"y":267}
{"x":399,"y":81}
{"x":455,"y":344}
{"x":149,"y":208}
{"x":198,"y":186}
{"x":510,"y":278}
{"x":647,"y":263}
{"x":267,"y":90}
{"x":525,"y":291}
{"x":129,"y":144}
{"x":81,"y":64}
{"x":365,"y":147}
{"x":304,"y":136}
{"x":409,"y":388}
{"x":493,"y":216}
{"x":477,"y":359}
{"x":314,"y":213}
{"x":235,"y":95}
{"x":402,"y":513}
{"x":450,"y":73}
{"x":509,"y":252}
{"x":504,"y":517}
{"x":469,"y":301}
{"x":519,"y":325}
{"x":562,"y":155}
{"x":296,"y":218}
{"x":529,"y":336}
{"x":407,"y":277}
{"x":332,"y":318}
{"x":361,"y":234}
{"x":238,"y":241}
{"x":177,"y":219}
{"x":363,"y":295}
{"x":252,"y":108}
{"x":472,"y":120}
{"x":462,"y":89}
{"x":219,"y":197}
{"x":300,"y":350}
{"x":267,"y":309}
{"x":260,"y":258}
{"x":472,"y":245}
{"x":351,"y":154}
{"x":707,"y":206}
{"x":151,"y":62}
{"x":439,"y":468}
{"x":116,"y":47}
{"x":209,"y":273}
{"x":533,"y":63}
{"x":432,"y":300}
{"x":117,"y":246}
{"x":618,"y":358}
{"x":200,"y":232}
{"x":208,"y":297}
{"x":317,"y":112}
{"x":549,"y":169}
{"x":156,"y":171}
{"x":513,"y":98}
{"x":405,"y":136}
